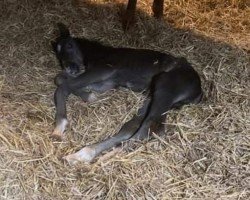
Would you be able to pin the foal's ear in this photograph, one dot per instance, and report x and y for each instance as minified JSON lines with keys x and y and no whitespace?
{"x":64,"y":31}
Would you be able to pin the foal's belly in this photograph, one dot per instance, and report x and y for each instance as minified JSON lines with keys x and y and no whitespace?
{"x":101,"y":86}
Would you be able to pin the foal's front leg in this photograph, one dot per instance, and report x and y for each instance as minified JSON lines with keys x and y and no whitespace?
{"x":60,"y":97}
{"x":84,"y":93}
{"x":76,"y":85}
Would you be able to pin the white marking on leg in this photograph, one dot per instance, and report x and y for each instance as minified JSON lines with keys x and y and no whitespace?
{"x":92,"y":97}
{"x":60,"y":128}
{"x":87,"y":154}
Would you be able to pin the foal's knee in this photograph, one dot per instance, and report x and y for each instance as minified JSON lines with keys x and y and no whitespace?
{"x":60,"y":79}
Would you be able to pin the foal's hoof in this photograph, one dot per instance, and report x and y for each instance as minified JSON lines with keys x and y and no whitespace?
{"x":59,"y":130}
{"x":57,"y":134}
{"x":86,"y":155}
{"x":56,"y":137}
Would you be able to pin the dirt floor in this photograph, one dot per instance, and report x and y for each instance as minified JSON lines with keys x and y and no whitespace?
{"x":205,"y":153}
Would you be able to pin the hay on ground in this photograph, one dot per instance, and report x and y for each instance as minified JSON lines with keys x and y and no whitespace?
{"x":205,"y":153}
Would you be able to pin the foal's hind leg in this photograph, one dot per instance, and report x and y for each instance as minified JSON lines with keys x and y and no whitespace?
{"x":88,"y":153}
{"x":167,"y":93}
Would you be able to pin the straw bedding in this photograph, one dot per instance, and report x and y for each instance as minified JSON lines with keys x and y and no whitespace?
{"x":205,"y":153}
